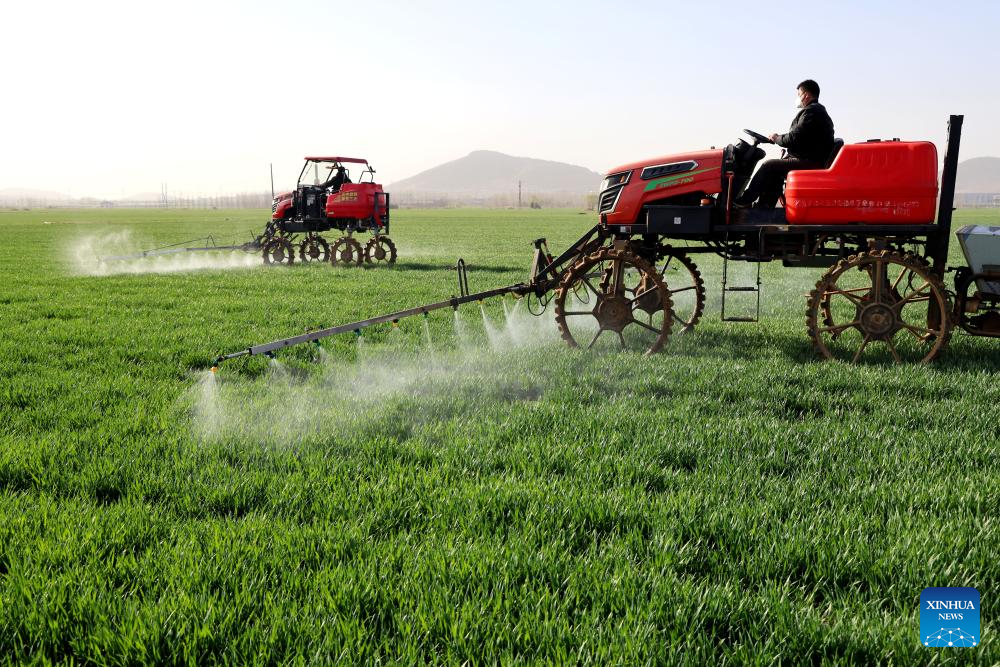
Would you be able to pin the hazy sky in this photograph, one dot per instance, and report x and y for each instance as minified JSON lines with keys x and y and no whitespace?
{"x":110,"y":98}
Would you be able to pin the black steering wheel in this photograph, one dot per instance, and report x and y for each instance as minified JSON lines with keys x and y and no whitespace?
{"x":758,"y":138}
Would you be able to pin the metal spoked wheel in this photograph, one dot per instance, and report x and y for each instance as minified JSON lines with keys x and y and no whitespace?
{"x":314,"y":249}
{"x":879,"y":306}
{"x":685,"y":286}
{"x":611,"y":316}
{"x":380,"y":250}
{"x":278,"y":251}
{"x":346,"y":251}
{"x":826,"y":304}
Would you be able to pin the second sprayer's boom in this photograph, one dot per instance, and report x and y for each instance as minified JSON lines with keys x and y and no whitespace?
{"x":182,"y":247}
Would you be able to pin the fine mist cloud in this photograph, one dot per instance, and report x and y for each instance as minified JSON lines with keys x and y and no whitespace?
{"x":89,"y":255}
{"x":488,"y":360}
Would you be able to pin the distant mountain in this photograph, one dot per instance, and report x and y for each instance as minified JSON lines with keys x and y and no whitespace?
{"x":980,"y":174}
{"x":491,"y":173}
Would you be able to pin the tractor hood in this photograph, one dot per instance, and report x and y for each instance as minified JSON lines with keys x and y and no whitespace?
{"x":678,"y":178}
{"x":714,"y":155}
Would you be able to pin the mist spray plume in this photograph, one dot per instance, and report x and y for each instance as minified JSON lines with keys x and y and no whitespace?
{"x":85,"y":256}
{"x":338,"y":396}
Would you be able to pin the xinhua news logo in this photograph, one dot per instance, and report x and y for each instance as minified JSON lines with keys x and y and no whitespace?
{"x":949,"y":617}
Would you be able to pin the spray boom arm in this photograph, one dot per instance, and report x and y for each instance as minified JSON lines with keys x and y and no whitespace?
{"x":454,"y":302}
{"x":544,"y":273}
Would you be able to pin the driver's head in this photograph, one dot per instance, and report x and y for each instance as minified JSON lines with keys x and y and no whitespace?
{"x":808,"y":91}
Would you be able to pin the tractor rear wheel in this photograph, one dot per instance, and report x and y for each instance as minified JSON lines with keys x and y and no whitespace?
{"x":880,"y":305}
{"x":611,"y":314}
{"x":278,"y":251}
{"x":346,"y":251}
{"x":314,"y":249}
{"x":380,"y":250}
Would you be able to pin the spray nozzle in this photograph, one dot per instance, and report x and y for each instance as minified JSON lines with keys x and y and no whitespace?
{"x":214,"y":369}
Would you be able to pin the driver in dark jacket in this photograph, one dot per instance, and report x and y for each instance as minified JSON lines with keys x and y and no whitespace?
{"x":339,"y":178}
{"x":807,"y":143}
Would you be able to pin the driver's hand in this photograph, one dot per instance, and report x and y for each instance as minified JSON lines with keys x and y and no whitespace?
{"x":774,"y":137}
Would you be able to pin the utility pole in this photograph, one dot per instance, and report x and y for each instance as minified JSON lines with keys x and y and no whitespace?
{"x":519,"y":194}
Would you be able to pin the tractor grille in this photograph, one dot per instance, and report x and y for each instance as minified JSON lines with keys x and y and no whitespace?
{"x":608,"y":199}
{"x":274,"y":207}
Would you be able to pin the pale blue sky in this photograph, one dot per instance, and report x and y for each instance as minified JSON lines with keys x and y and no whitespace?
{"x":107,"y":98}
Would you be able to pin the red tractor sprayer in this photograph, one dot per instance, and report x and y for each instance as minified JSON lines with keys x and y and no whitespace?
{"x":325,"y":199}
{"x":867,"y":218}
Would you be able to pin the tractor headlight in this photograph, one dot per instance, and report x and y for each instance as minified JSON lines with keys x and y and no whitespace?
{"x":611,"y":180}
{"x":611,"y":189}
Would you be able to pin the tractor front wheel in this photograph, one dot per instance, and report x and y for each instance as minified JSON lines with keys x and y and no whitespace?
{"x":686,"y":288}
{"x":617,"y":284}
{"x":278,"y":251}
{"x":314,"y":249}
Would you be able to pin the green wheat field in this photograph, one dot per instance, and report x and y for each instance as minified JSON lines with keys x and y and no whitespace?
{"x":466,"y":489}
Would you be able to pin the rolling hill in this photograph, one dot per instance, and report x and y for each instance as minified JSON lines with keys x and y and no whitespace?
{"x":980,"y":174}
{"x":492,"y":173}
